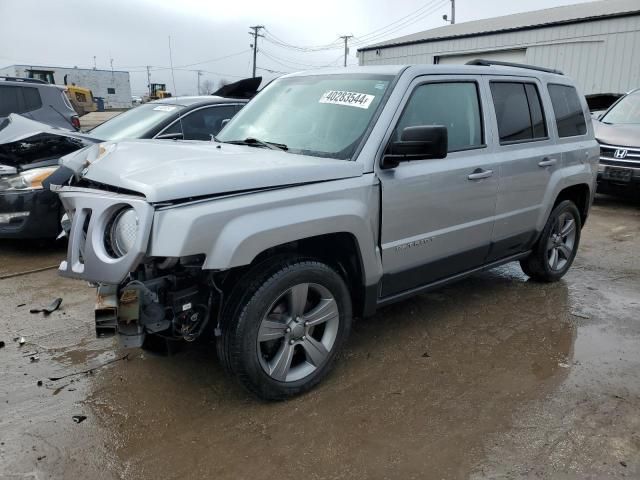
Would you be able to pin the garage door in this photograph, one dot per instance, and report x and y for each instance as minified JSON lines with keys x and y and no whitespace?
{"x":514,"y":56}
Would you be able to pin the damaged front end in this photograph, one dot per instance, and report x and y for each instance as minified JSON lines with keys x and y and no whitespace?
{"x":138,"y":294}
{"x":171,"y":298}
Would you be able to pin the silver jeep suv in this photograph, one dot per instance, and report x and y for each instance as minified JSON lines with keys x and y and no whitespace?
{"x":330,"y":194}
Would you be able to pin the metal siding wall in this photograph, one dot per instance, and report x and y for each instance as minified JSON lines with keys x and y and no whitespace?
{"x":603,"y":56}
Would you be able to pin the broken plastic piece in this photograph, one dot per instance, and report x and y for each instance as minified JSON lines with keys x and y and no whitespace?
{"x":51,"y":308}
{"x":21,"y":341}
{"x":79,"y":418}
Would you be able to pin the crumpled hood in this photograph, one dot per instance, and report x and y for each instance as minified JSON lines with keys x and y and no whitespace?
{"x":25,"y":142}
{"x":165,"y":170}
{"x":617,"y":135}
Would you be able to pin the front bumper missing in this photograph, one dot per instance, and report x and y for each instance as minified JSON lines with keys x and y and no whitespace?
{"x":172,"y":308}
{"x":128,"y":313}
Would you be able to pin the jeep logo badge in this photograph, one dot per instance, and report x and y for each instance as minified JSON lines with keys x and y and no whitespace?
{"x":620,"y":153}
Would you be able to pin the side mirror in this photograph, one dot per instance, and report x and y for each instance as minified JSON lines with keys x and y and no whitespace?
{"x":421,"y":142}
{"x":170,"y":136}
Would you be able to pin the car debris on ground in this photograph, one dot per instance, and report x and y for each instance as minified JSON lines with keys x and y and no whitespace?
{"x":53,"y":306}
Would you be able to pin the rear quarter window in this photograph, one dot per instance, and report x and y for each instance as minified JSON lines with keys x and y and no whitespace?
{"x":32,"y":100}
{"x":567,"y":110}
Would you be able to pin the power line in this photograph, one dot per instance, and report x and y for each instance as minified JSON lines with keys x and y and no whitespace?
{"x":156,"y":68}
{"x":271,"y":38}
{"x":409,"y":17}
{"x":367,"y":38}
{"x":359,"y":41}
{"x":288,"y":65}
{"x":273,"y":56}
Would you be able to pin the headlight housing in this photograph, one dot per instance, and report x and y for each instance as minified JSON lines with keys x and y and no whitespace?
{"x":123,"y":231}
{"x":28,"y":180}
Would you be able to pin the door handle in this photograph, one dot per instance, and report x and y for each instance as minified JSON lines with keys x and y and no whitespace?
{"x":479,"y":174}
{"x":547,"y":162}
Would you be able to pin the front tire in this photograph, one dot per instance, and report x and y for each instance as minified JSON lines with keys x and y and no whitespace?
{"x":555,"y":250}
{"x":284,"y":329}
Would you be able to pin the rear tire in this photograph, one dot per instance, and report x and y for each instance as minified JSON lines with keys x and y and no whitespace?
{"x":555,"y":250}
{"x":284,"y":326}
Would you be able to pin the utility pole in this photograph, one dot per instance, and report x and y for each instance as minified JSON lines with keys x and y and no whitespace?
{"x":94,"y":62}
{"x":256,"y":33}
{"x":346,"y":47}
{"x":199,"y":72}
{"x":149,"y":80}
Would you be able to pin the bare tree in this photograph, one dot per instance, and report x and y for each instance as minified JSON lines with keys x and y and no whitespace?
{"x":208,"y":86}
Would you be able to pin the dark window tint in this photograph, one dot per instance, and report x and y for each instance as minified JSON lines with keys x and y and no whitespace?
{"x":32,"y":99}
{"x":111,"y":91}
{"x":9,"y":100}
{"x":454,"y":105}
{"x":201,"y":124}
{"x":518,"y":111}
{"x":175,"y":128}
{"x":568,"y":111}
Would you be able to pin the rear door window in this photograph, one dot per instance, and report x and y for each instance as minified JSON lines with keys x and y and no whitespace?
{"x":519,"y":112}
{"x":568,"y":110}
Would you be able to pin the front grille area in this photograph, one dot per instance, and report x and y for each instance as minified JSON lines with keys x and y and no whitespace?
{"x":619,"y":156}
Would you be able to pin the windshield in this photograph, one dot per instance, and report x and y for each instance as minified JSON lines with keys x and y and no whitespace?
{"x":627,"y":110}
{"x":319,"y":115}
{"x":135,"y":122}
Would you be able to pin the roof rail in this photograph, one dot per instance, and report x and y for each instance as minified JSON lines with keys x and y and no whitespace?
{"x":20,"y":79}
{"x":488,"y":63}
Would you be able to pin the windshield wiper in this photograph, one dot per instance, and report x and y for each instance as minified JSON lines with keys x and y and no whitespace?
{"x":259,"y":143}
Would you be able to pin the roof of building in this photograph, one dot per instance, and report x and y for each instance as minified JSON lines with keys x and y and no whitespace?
{"x":520,"y":21}
{"x":49,"y":67}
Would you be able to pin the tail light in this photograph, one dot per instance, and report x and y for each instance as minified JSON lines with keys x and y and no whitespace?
{"x":75,"y":121}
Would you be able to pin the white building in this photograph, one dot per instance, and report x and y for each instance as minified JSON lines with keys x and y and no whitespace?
{"x":596,"y":43}
{"x":113,"y":86}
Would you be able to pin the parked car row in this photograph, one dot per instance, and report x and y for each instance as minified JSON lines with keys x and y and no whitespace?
{"x":329,"y":195}
{"x":30,"y":151}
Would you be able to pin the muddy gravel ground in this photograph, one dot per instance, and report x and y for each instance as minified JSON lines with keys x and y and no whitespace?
{"x":493,"y":377}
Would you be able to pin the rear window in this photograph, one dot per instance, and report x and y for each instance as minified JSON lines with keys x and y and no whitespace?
{"x":568,"y":111}
{"x":518,"y":112}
